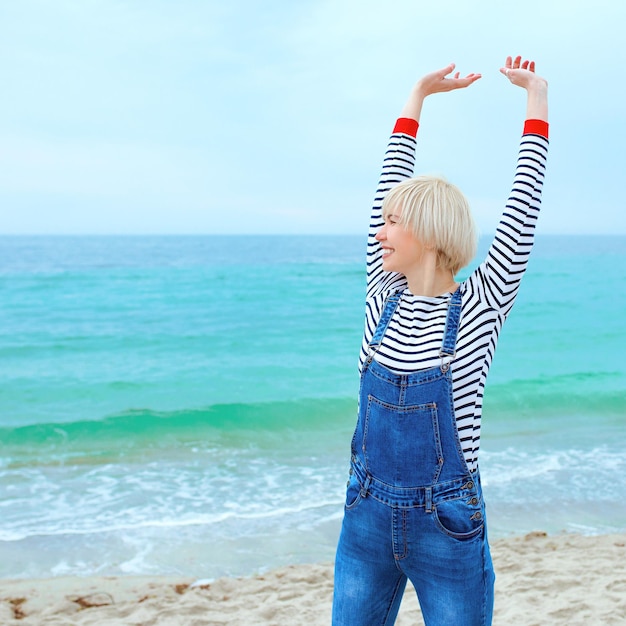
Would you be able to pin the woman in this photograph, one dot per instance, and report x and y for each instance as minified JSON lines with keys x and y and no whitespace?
{"x":414,"y":507}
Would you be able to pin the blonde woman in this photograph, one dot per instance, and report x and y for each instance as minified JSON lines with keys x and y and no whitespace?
{"x":414,"y":506}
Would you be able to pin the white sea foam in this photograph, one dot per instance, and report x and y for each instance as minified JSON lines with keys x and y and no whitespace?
{"x":165,"y":498}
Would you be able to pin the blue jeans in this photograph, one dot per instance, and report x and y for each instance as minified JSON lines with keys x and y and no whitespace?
{"x":413,"y":510}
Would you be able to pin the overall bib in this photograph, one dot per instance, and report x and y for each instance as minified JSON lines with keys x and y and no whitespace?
{"x":413,"y":509}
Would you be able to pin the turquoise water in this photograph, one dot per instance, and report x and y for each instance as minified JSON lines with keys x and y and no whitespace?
{"x":185,"y":404}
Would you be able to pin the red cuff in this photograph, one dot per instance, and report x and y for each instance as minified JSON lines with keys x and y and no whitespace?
{"x":407,"y":126}
{"x":536,"y":127}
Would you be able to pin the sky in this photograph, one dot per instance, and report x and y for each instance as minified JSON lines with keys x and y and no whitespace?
{"x":272,"y":117}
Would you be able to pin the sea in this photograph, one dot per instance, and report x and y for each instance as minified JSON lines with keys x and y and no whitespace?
{"x":183,"y":405}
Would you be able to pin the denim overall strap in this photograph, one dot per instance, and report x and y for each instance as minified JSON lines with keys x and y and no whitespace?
{"x":448,"y":345}
{"x":391,"y":304}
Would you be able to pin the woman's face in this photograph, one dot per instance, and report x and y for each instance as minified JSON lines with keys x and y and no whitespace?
{"x":402,"y":251}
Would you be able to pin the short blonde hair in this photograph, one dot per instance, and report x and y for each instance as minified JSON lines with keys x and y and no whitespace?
{"x":438,"y":215}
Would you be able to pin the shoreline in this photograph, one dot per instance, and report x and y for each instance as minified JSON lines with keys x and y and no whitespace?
{"x":564,"y":579}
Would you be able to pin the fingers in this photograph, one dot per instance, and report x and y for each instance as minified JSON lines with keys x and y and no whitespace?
{"x":444,"y":71}
{"x":444,"y":79}
{"x":517,"y":63}
{"x":457,"y":75}
{"x":515,"y":70}
{"x":466,"y":80}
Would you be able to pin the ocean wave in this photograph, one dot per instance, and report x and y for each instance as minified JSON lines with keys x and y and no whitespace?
{"x":579,"y":393}
{"x":303,"y":413}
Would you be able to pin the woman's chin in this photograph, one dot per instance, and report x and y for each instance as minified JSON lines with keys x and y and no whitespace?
{"x":388,"y":266}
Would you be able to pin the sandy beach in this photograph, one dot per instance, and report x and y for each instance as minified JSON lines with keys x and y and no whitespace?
{"x":541,"y":580}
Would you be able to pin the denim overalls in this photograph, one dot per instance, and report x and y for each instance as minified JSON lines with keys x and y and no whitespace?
{"x":413,"y":510}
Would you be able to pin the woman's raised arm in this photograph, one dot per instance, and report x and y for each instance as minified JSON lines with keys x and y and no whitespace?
{"x":398,"y":165}
{"x":507,"y":259}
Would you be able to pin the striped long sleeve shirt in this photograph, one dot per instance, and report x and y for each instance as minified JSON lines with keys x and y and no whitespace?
{"x":415,"y":333}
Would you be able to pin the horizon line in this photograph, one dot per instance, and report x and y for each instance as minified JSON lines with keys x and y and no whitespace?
{"x":295,"y":234}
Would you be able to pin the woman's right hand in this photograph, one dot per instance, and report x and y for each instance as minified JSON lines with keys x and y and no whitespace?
{"x":439,"y":81}
{"x":435,"y":82}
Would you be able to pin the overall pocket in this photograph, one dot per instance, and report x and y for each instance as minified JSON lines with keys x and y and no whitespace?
{"x":401,"y":444}
{"x":353,"y":492}
{"x":462,"y":518}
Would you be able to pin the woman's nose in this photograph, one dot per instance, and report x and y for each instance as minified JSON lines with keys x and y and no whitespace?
{"x":380,"y":235}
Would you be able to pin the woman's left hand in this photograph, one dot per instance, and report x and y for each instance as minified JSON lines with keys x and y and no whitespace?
{"x":522,"y":73}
